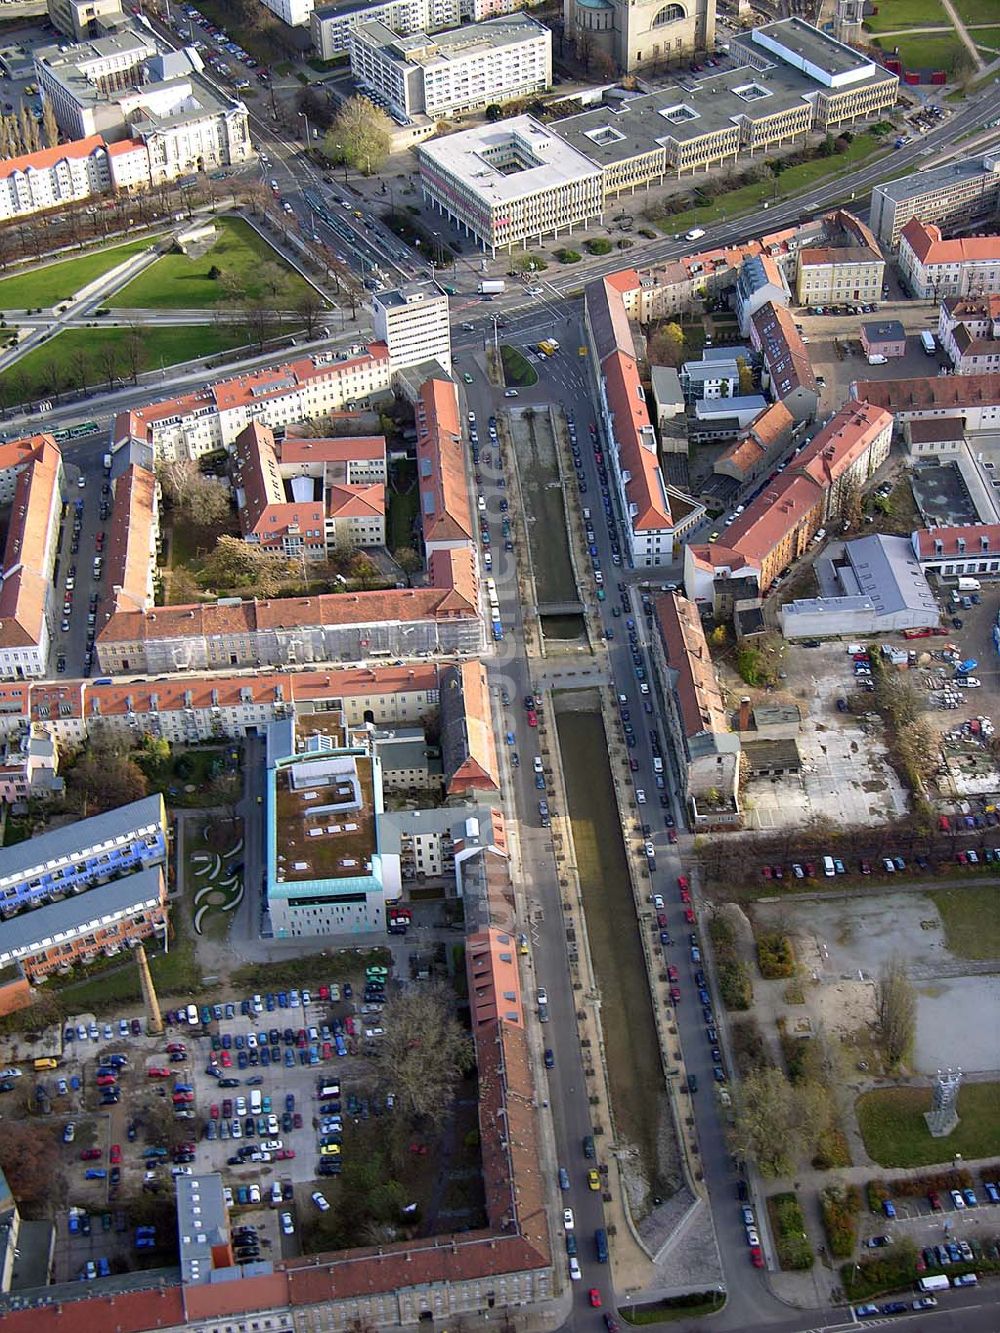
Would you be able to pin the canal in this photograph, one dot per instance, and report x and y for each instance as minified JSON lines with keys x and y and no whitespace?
{"x":643,"y":1119}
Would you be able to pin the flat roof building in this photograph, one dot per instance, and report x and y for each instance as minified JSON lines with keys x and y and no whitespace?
{"x":453,"y":72}
{"x":414,"y":324}
{"x":203,"y":1237}
{"x":511,"y":182}
{"x":952,"y":195}
{"x":331,"y":25}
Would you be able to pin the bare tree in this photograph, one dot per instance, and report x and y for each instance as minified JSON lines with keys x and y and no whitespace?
{"x":897,"y":1010}
{"x":135,"y":351}
{"x":425,"y":1052}
{"x":310,"y":308}
{"x":108,"y":359}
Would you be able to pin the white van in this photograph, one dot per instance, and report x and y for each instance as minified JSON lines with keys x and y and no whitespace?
{"x":255,"y":1101}
{"x":192,"y":1013}
{"x":657,"y":764}
{"x":586,"y":515}
{"x":828,"y":867}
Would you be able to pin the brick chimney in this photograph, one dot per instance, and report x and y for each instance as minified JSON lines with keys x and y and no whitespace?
{"x":744,"y":714}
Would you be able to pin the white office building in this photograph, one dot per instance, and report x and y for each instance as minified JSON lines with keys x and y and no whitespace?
{"x":469,"y":68}
{"x":332,"y":25}
{"x":413,"y":323}
{"x":511,"y":183}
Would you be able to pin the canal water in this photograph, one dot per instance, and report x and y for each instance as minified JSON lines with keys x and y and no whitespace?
{"x":643,"y":1121}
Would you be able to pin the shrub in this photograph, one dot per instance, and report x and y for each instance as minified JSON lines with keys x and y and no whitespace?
{"x":599,"y":246}
{"x":747,"y":1044}
{"x":789,"y":1227}
{"x":887,"y":1270}
{"x":568,"y":256}
{"x":833,"y":1152}
{"x":839,"y":1208}
{"x":878,"y":1191}
{"x":775,"y":956}
{"x":735,"y":985}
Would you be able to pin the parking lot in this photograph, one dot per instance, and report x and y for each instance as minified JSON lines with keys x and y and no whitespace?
{"x":128,"y":1111}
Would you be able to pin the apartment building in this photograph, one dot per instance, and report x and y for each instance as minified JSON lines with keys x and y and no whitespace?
{"x":29,"y":764}
{"x":54,"y":177}
{"x":190,"y":709}
{"x":79,"y":19}
{"x":32,"y":467}
{"x":974,"y":399}
{"x":121,"y":87}
{"x":957,"y":552}
{"x":82,"y":928}
{"x":133,"y":535}
{"x":445,"y":512}
{"x":759,"y":449}
{"x":304,"y":498}
{"x":777,"y":527}
{"x":276,"y":396}
{"x":76,"y":856}
{"x":933,"y":268}
{"x":955,"y":195}
{"x":787,"y":369}
{"x":511,"y":182}
{"x":339,"y":627}
{"x":655,"y":516}
{"x":704,"y":749}
{"x":759,"y":282}
{"x":847,"y":268}
{"x":462,"y":70}
{"x":969,"y":333}
{"x":413,"y":323}
{"x":468,"y":741}
{"x":331,"y":25}
{"x":716,"y":375}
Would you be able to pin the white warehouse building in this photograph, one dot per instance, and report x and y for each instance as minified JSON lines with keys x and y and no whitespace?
{"x":511,"y":183}
{"x":500,"y":60}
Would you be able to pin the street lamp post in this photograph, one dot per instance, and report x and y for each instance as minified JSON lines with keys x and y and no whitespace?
{"x":306,"y":119}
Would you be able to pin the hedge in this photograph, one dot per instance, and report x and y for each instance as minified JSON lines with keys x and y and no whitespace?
{"x":775,"y":956}
{"x":840,"y":1208}
{"x":789,"y":1227}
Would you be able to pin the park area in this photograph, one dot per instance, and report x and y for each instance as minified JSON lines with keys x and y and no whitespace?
{"x":54,"y":283}
{"x":240,"y":265}
{"x":892,"y":1124}
{"x":213,"y":851}
{"x":86,"y":358}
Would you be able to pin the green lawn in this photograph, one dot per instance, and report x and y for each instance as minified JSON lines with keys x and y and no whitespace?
{"x":902,"y":14}
{"x":57,"y":365}
{"x":402,"y":505}
{"x":177,"y":282}
{"x":971,"y":921}
{"x":516,"y":367}
{"x":57,"y":282}
{"x":978,"y":11}
{"x":750,"y":198}
{"x":923,"y":50}
{"x":892,"y":1125}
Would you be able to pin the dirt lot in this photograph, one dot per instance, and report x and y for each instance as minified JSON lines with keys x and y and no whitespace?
{"x":845,"y":777}
{"x":842,"y":944}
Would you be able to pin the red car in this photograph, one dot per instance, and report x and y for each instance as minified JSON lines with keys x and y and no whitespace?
{"x":284,"y":1154}
{"x":532,"y":718}
{"x":116,"y":1154}
{"x":183,"y":1098}
{"x":324,"y":992}
{"x":174,"y":1047}
{"x":685,"y":895}
{"x":213,"y":1111}
{"x":90,"y":1155}
{"x":756,"y":1256}
{"x":671,"y":836}
{"x":934,"y":1199}
{"x":106,"y":1080}
{"x":157,"y":1071}
{"x":682,"y":883}
{"x":766,"y":871}
{"x":225,"y":1059}
{"x":675,"y":994}
{"x":689,"y":916}
{"x":327,"y":1051}
{"x":595,"y":1298}
{"x":672,"y":974}
{"x":661,"y":920}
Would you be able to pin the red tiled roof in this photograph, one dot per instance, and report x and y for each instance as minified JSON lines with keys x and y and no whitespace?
{"x":841,"y":441}
{"x":493,"y":977}
{"x":930,"y":392}
{"x":48,"y":157}
{"x":686,"y":651}
{"x":924,"y":239}
{"x":130,"y":539}
{"x":973,"y":536}
{"x":780,"y":508}
{"x":342,"y":449}
{"x":445,"y":513}
{"x":480,"y":768}
{"x":762,"y":434}
{"x":26,"y":578}
{"x":637,"y":444}
{"x":367,"y":501}
{"x":159,"y":1307}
